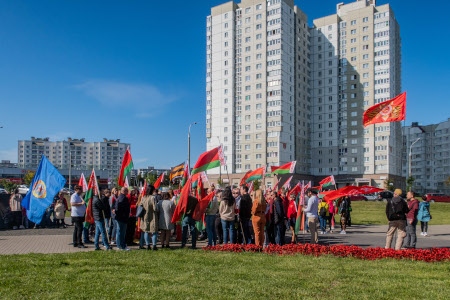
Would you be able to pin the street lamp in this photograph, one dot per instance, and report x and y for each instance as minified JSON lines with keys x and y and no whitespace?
{"x":410,"y":157}
{"x":189,"y":145}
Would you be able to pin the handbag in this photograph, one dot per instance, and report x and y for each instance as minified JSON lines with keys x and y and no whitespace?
{"x":140,"y":211}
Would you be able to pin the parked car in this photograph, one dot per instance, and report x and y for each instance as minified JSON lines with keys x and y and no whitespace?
{"x":23,"y":189}
{"x":436,"y":197}
{"x":67,"y":191}
{"x":372,"y":197}
{"x":385,"y":195}
{"x":3,"y":191}
{"x":358,"y":198}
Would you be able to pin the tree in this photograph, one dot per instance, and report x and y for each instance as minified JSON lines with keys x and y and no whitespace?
{"x":389,"y":185}
{"x":28,"y":178}
{"x":409,"y":183}
{"x":256,"y":184}
{"x":7,"y":185}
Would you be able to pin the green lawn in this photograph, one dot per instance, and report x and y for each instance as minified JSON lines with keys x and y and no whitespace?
{"x":373,"y":213}
{"x":189,"y":274}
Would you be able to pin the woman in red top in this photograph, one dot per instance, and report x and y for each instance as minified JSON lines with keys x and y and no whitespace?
{"x":131,"y":226}
{"x":292,"y":216}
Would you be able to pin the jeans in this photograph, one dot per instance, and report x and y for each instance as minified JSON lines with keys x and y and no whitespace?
{"x":188,"y":223}
{"x":86,"y":233}
{"x":245,"y":223}
{"x":323,"y":223}
{"x":100,"y":229}
{"x":210,"y":229}
{"x":279,"y":233}
{"x":145,"y":238}
{"x":411,"y":238}
{"x":121,"y":230}
{"x":77,"y":230}
{"x":229,"y":233}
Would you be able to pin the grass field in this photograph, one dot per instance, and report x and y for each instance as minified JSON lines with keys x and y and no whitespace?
{"x":196,"y":274}
{"x":373,"y":213}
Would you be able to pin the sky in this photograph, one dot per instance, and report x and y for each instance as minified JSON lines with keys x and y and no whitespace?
{"x":135,"y":71}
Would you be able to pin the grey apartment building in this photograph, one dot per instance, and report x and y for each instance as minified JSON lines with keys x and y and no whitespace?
{"x":279,"y":90}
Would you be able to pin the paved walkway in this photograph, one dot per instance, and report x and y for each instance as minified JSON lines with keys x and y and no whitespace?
{"x":59,"y":240}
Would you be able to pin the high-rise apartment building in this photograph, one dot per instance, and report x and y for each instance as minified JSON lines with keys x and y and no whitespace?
{"x":356,"y":63}
{"x":257,"y":95}
{"x":426,"y":156}
{"x":76,"y":153}
{"x":278,"y":90}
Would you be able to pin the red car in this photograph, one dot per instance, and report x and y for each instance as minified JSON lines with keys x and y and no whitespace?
{"x":437,"y":197}
{"x":358,"y":198}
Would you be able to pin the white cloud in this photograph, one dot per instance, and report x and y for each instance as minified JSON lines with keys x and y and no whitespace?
{"x":146,"y":100}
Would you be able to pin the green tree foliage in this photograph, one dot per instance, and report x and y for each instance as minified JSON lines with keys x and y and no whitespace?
{"x":28,"y":178}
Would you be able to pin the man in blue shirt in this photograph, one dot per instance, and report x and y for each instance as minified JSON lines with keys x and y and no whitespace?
{"x":312,"y":214}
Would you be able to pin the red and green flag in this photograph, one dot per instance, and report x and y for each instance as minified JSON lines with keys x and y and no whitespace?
{"x":284,"y":169}
{"x":208,"y":160}
{"x":244,"y":178}
{"x":256,"y":174}
{"x":158,"y":181}
{"x":89,"y":197}
{"x":82,"y":182}
{"x":125,"y":169}
{"x":326,"y":182}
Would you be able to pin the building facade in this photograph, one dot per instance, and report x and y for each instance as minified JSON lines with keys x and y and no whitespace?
{"x":426,"y":156}
{"x":257,"y":85}
{"x":74,"y":154}
{"x":356,"y":63}
{"x":278,"y":90}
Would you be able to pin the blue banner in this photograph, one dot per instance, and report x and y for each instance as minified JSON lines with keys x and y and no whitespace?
{"x":47,"y":182}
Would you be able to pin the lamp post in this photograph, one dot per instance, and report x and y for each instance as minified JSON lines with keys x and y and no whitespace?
{"x":410,"y":157}
{"x":189,"y":145}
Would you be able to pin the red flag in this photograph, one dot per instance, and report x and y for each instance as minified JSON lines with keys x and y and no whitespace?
{"x":287,"y":184}
{"x":392,"y":110}
{"x":186,"y":174}
{"x":125,"y":169}
{"x":201,"y":207}
{"x":144,"y":189}
{"x":82,"y":183}
{"x":295,"y":190}
{"x":158,"y":181}
{"x":182,"y":202}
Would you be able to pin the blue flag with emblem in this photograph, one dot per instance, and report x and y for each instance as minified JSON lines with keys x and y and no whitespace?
{"x":47,"y":182}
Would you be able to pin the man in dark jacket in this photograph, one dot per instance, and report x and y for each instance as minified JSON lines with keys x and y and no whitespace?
{"x":411,"y":220}
{"x":122,"y":211}
{"x":245,"y":214}
{"x":101,"y":211}
{"x":396,"y":210}
{"x":278,"y":219}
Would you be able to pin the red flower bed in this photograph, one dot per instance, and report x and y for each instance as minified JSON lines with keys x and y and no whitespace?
{"x":427,"y":255}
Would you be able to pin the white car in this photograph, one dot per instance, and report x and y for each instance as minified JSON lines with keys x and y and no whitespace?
{"x":3,"y":191}
{"x":23,"y":189}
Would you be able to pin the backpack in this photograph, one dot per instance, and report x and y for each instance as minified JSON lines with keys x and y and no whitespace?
{"x":396,"y":211}
{"x":323,"y":211}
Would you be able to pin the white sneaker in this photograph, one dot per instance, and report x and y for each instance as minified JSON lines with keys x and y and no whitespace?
{"x":343,"y":232}
{"x":421,"y":233}
{"x":425,"y":234}
{"x":15,"y":227}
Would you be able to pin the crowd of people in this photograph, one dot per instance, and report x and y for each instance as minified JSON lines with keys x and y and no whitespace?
{"x":124,"y":217}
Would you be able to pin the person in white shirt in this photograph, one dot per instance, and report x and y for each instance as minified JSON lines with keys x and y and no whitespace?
{"x":312,"y":214}
{"x":78,"y":210}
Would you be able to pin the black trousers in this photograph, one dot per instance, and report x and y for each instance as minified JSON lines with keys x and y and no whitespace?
{"x":78,"y":230}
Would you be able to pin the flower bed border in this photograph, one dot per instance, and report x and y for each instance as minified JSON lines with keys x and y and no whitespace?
{"x":426,"y":255}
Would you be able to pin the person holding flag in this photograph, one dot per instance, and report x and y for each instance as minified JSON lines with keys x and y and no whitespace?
{"x":78,"y":211}
{"x":312,"y":214}
{"x":291,"y":216}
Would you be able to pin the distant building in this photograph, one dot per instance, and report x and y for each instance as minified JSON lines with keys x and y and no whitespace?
{"x":75,"y":155}
{"x":426,"y":156}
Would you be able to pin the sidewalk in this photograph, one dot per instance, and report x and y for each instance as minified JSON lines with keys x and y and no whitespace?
{"x":59,"y":240}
